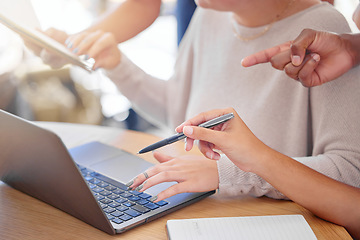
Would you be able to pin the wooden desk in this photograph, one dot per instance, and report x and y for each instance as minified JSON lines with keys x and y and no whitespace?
{"x":23,"y":217}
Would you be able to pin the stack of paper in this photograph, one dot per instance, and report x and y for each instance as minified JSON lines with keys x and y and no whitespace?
{"x":230,"y":228}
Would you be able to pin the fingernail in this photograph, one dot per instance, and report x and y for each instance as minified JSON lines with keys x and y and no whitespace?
{"x":130,"y":183}
{"x":67,"y":41}
{"x":153,"y":198}
{"x":188,"y":130}
{"x":75,"y":50}
{"x":86,"y":57}
{"x":69,"y":45}
{"x":139,"y":187}
{"x":316,"y":57}
{"x":295,"y":60}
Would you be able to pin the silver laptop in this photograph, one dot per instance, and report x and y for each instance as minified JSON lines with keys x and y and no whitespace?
{"x":86,"y":182}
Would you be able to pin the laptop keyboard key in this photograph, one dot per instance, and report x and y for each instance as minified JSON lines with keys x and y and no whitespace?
{"x":140,"y":208}
{"x":151,"y":205}
{"x":95,"y":181}
{"x":103,"y":184}
{"x":118,"y":191}
{"x":134,"y":198}
{"x":126,"y":195}
{"x":88,"y":178}
{"x":97,"y":189}
{"x":125,"y":217}
{"x":120,"y":200}
{"x":109,"y":210}
{"x":133,"y":192}
{"x":142,"y":202}
{"x":114,"y":205}
{"x":105,"y":193}
{"x":132,"y":213}
{"x":116,"y":220}
{"x":106,"y":201}
{"x":117,"y":214}
{"x":128,"y":204}
{"x":113,"y":196}
{"x":122,"y":208}
{"x":144,"y":195}
{"x":110,"y":188}
{"x":99,"y":197}
{"x":161,"y":203}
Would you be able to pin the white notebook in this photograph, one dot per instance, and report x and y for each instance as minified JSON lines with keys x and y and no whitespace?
{"x":260,"y":227}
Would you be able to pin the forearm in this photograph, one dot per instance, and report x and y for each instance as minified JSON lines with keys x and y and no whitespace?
{"x":325,"y":197}
{"x":128,"y":19}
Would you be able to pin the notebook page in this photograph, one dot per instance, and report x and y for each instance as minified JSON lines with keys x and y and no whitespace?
{"x":229,"y":228}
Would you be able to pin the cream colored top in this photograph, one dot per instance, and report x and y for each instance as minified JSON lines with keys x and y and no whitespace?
{"x":317,"y":126}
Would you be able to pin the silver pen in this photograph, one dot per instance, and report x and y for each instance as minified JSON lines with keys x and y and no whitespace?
{"x":209,"y":124}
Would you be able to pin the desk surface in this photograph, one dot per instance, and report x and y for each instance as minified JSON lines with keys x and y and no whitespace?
{"x":23,"y":217}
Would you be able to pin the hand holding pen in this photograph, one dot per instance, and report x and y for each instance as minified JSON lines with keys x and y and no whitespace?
{"x":233,"y":138}
{"x":208,"y":124}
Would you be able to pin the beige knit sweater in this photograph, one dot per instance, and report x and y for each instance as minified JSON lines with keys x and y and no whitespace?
{"x":319,"y":126}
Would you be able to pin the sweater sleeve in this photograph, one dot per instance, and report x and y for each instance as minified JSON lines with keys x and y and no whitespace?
{"x":233,"y":181}
{"x":163,"y":102}
{"x":334,"y":146}
{"x":335,"y":111}
{"x":146,"y":93}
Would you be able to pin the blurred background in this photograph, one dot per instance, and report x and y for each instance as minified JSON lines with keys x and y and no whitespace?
{"x":32,"y":90}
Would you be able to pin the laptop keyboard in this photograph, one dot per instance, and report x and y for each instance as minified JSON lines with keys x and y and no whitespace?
{"x":118,"y":203}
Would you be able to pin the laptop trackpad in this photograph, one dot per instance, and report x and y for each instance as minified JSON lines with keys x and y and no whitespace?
{"x":122,"y":168}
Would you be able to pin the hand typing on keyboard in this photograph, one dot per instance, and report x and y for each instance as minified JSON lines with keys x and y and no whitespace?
{"x":118,"y":202}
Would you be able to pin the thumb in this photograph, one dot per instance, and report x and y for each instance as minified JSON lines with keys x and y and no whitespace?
{"x":161,"y":157}
{"x":300,"y":45}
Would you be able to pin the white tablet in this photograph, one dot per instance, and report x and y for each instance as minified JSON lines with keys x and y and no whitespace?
{"x":41,"y":40}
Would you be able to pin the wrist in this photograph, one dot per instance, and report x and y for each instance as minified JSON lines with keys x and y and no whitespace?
{"x":352,"y":42}
{"x":257,"y":158}
{"x":263,"y":159}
